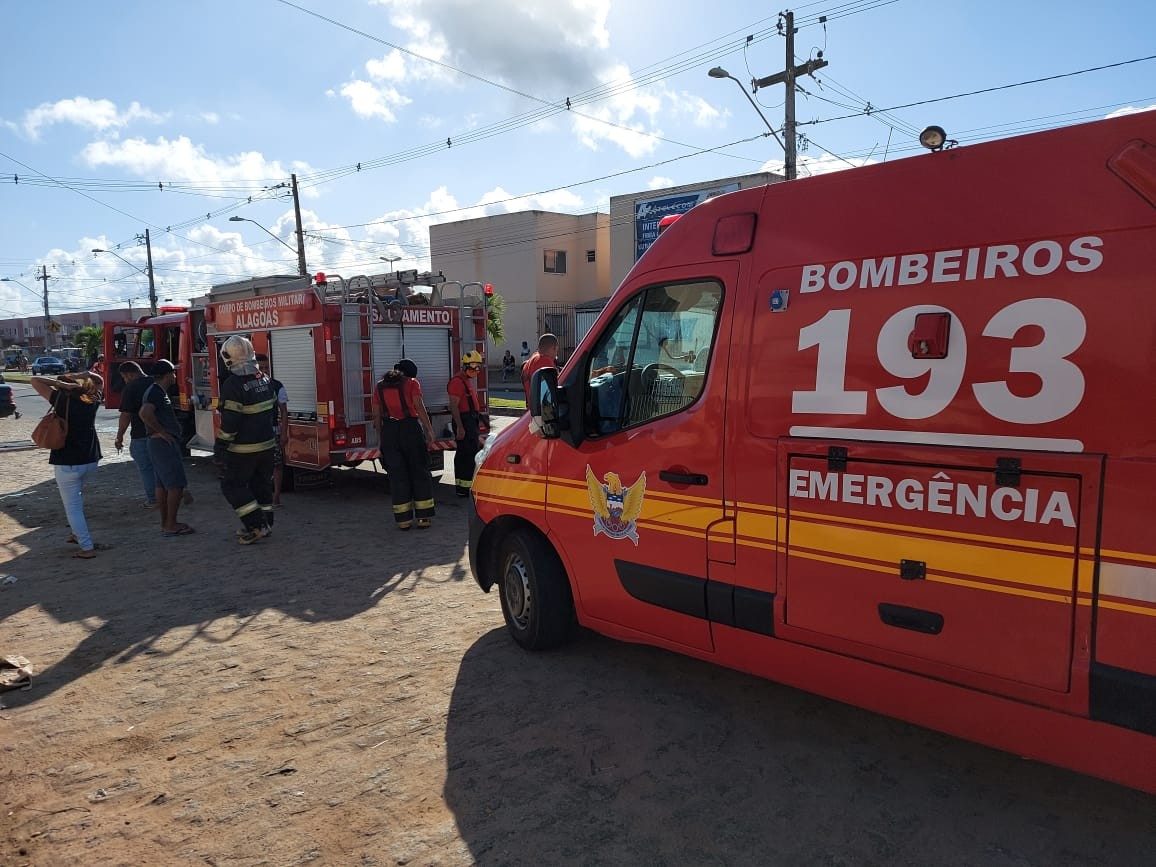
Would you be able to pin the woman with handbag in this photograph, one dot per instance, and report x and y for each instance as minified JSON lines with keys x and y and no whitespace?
{"x":75,"y":398}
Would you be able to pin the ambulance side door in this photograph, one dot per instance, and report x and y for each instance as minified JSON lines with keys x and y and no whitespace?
{"x":633,"y":501}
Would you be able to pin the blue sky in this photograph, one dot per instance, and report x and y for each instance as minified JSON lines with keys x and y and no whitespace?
{"x":103,"y":104}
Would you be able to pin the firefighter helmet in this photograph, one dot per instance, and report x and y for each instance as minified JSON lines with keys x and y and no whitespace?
{"x":473,"y":357}
{"x":238,"y":350}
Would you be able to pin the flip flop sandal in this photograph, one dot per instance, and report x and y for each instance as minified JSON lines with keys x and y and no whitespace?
{"x":183,"y":531}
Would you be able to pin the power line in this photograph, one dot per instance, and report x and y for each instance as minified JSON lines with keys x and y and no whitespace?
{"x":870,"y":110}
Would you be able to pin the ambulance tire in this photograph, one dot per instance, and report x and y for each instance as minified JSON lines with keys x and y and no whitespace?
{"x":536,"y":600}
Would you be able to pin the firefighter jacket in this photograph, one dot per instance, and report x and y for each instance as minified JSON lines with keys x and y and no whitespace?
{"x":247,"y":410}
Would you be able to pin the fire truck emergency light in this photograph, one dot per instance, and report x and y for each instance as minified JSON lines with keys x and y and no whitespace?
{"x":489,"y":290}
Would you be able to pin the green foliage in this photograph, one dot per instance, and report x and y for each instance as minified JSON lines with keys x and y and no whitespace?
{"x":495,"y":310}
{"x":91,"y":340}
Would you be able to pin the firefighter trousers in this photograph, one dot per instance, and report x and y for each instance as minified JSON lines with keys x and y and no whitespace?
{"x":468,"y":449}
{"x":247,"y":484}
{"x":406,"y":458}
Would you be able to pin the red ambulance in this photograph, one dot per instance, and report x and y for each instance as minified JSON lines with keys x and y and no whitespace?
{"x":887,"y":435}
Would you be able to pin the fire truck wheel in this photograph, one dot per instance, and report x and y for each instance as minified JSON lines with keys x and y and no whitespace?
{"x":535,"y":593}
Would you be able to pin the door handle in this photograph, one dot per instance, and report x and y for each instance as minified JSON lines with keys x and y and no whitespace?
{"x":676,"y":478}
{"x":915,"y":619}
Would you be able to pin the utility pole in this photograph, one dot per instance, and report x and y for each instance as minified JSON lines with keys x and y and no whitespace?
{"x":47,"y":319}
{"x":787,"y":77}
{"x":152,"y":284}
{"x":301,"y":269}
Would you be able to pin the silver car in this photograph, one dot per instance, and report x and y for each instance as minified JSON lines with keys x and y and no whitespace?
{"x":47,"y":364}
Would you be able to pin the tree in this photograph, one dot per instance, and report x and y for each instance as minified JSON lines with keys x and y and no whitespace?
{"x":91,"y":340}
{"x":495,"y":310}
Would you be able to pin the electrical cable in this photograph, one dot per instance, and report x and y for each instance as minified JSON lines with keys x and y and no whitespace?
{"x":988,"y":89}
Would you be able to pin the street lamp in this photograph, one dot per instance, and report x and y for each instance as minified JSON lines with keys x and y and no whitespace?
{"x":391,"y":260}
{"x":299,"y":253}
{"x":148,"y":272}
{"x":47,"y":318}
{"x":719,"y":72}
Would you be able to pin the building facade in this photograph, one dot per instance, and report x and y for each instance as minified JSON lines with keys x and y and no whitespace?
{"x":532,"y":258}
{"x":28,"y":331}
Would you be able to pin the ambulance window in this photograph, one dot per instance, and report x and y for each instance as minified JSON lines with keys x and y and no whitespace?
{"x":652,"y":359}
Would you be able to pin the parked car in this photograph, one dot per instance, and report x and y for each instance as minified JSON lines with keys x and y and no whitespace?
{"x":47,"y":364}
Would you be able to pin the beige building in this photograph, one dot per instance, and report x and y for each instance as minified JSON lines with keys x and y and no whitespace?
{"x":533,"y":259}
{"x":29,"y":330}
{"x":634,"y":217}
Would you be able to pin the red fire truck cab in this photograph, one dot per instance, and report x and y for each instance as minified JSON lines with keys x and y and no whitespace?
{"x":885,"y":435}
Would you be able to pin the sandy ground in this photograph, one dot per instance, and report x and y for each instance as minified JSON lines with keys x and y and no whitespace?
{"x":344,"y":694}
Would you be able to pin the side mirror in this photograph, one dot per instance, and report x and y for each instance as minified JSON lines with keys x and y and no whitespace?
{"x":544,"y":404}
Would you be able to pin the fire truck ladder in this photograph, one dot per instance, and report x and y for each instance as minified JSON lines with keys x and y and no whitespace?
{"x":357,"y":351}
{"x":472,"y":313}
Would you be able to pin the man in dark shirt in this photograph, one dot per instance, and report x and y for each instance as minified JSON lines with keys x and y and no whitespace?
{"x":136,"y":383}
{"x":165,"y":447}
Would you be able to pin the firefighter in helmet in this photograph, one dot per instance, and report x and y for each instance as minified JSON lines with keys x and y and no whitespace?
{"x":404,"y":433}
{"x":468,"y":420}
{"x":244,"y":446}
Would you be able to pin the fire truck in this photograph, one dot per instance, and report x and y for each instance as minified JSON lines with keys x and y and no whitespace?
{"x":886,"y":435}
{"x":328,"y":340}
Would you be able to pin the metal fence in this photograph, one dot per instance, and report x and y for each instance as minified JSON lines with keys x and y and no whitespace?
{"x":558,"y":319}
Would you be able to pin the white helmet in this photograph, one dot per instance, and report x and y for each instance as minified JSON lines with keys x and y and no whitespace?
{"x":238,"y":350}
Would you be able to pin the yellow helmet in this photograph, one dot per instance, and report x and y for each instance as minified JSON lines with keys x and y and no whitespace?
{"x":473,"y":357}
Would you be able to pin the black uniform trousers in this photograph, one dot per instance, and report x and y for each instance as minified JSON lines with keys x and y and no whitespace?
{"x":248,"y":486}
{"x":468,"y":449}
{"x":406,"y":458}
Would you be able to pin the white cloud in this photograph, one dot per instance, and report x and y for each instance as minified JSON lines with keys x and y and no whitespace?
{"x":181,"y":160}
{"x":658,"y":182}
{"x":370,"y":100}
{"x":211,"y":117}
{"x":1121,"y":112}
{"x":545,"y":45}
{"x":700,"y":112}
{"x":98,"y":114}
{"x":391,"y":67}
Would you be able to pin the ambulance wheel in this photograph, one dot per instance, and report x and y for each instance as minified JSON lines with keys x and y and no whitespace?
{"x":535,"y":594}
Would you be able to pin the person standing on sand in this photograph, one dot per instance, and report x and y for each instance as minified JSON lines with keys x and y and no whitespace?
{"x":75,"y":397}
{"x":157,"y":413}
{"x":136,"y":384}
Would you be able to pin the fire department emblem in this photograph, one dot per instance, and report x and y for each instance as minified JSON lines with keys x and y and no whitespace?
{"x":616,"y":508}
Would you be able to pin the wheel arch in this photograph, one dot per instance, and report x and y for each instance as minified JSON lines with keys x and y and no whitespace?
{"x":487,"y":566}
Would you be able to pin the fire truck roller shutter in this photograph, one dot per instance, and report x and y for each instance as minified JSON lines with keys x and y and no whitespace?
{"x":355,"y":391}
{"x":429,"y":348}
{"x":291,"y":354}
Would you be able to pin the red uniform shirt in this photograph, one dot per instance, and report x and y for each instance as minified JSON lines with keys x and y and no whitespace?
{"x":392,"y":397}
{"x":537,"y":362}
{"x":462,"y":389}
